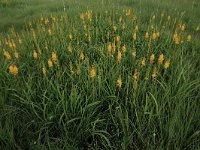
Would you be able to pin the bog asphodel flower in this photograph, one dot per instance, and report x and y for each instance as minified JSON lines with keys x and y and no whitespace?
{"x":7,"y":55}
{"x":147,"y":35}
{"x":168,"y":18}
{"x":44,"y":70}
{"x":70,"y":36}
{"x":160,"y":59}
{"x":189,"y":37}
{"x":152,"y":57}
{"x":109,"y":47}
{"x":70,"y":49}
{"x":124,"y":48}
{"x":167,"y":63}
{"x":54,"y":57}
{"x":115,"y":28}
{"x":16,"y":54}
{"x":50,"y":63}
{"x":134,"y":36}
{"x":134,"y":53}
{"x":154,"y":74}
{"x":13,"y":70}
{"x":81,"y":56}
{"x":119,"y":56}
{"x":119,"y":82}
{"x":176,"y":38}
{"x":93,"y":72}
{"x":35,"y":54}
{"x":143,"y":62}
{"x":154,"y":36}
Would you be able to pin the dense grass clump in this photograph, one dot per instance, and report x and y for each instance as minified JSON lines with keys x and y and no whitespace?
{"x":106,"y":80}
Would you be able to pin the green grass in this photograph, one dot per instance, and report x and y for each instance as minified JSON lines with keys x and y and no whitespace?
{"x":66,"y":108}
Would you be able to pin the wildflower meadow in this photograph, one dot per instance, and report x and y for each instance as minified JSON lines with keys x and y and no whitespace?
{"x":114,"y":78}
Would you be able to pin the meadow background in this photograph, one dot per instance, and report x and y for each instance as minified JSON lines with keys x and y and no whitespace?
{"x":73,"y":76}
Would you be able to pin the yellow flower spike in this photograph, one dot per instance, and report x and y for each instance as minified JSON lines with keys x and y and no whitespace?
{"x":115,"y":28}
{"x":35,"y":54}
{"x":118,"y":39}
{"x":113,"y":47}
{"x":152,"y":57}
{"x":168,"y":18}
{"x":167,"y":63}
{"x":70,"y":36}
{"x":54,"y":57}
{"x":16,"y":54}
{"x":134,"y":53}
{"x":119,"y":56}
{"x":79,"y":69}
{"x":154,"y":36}
{"x":44,"y":70}
{"x":154,"y":17}
{"x":176,"y":38}
{"x":183,"y":27}
{"x":157,"y":34}
{"x":120,"y":19}
{"x":147,"y":73}
{"x":198,"y":27}
{"x":109,"y":47}
{"x":13,"y":70}
{"x":7,"y":55}
{"x":93,"y":72}
{"x":119,"y":82}
{"x":189,"y":37}
{"x":70,"y":48}
{"x":50,"y":63}
{"x":71,"y":67}
{"x":160,"y":59}
{"x":134,"y":36}
{"x":82,"y":16}
{"x":136,"y":28}
{"x":154,"y":74}
{"x":124,"y":48}
{"x":143,"y":62}
{"x":49,"y":31}
{"x":136,"y":75}
{"x":123,"y":27}
{"x":81,"y":56}
{"x":147,"y":35}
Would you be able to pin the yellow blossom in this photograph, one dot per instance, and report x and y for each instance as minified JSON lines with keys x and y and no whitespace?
{"x":124,"y":49}
{"x":70,"y":49}
{"x":35,"y":54}
{"x":7,"y":55}
{"x":152,"y":57}
{"x":147,"y":35}
{"x":119,"y":82}
{"x":115,"y":28}
{"x":119,"y":56}
{"x":109,"y":48}
{"x":167,"y":63}
{"x":50,"y":63}
{"x":54,"y":57}
{"x":81,"y":56}
{"x":189,"y":37}
{"x":154,"y":74}
{"x":143,"y":62}
{"x":70,"y":36}
{"x":134,"y":36}
{"x":93,"y":72}
{"x":13,"y":70}
{"x":16,"y":54}
{"x":160,"y":59}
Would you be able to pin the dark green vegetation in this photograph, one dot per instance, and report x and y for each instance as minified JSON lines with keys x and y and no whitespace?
{"x":63,"y":107}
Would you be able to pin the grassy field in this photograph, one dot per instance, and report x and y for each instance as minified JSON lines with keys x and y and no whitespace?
{"x":101,"y":74}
